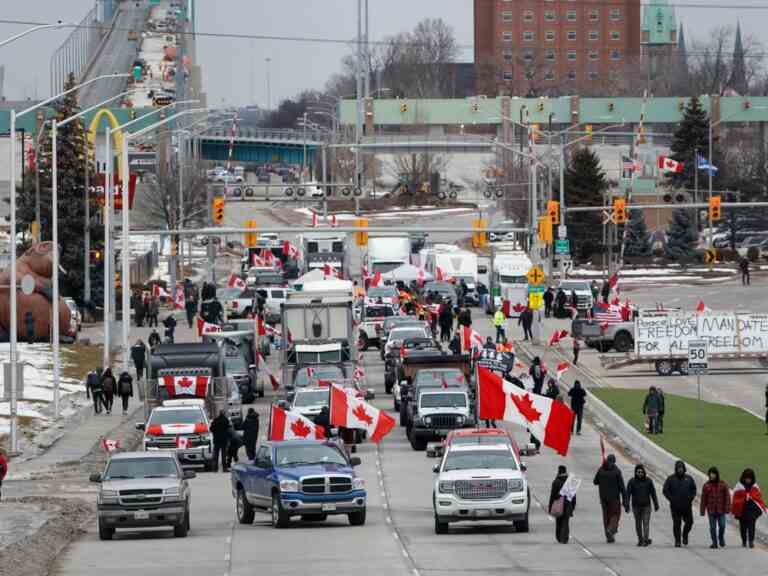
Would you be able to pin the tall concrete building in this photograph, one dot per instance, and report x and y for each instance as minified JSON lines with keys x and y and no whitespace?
{"x":538,"y":47}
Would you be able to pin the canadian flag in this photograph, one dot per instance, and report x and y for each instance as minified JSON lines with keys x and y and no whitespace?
{"x":376,"y":280}
{"x":264,"y":366}
{"x":562,"y":368}
{"x":314,"y":219}
{"x":550,"y":421}
{"x":359,"y":374}
{"x":178,"y":301}
{"x":333,"y":221}
{"x":364,"y":271}
{"x":182,"y":442}
{"x":518,"y":307}
{"x":159,"y":292}
{"x":290,"y":250}
{"x":701,"y":308}
{"x":236,"y":282}
{"x":285,"y":425}
{"x":330,"y":271}
{"x":613,"y":280}
{"x":471,"y":338}
{"x":421,"y":277}
{"x":196,"y":386}
{"x":667,"y":165}
{"x":109,"y":445}
{"x":440,"y":275}
{"x":348,"y":411}
{"x":557,"y":335}
{"x":257,"y":260}
{"x":204,"y":327}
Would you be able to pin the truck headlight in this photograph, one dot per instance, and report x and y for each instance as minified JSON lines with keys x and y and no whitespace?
{"x":358,"y":484}
{"x":445,"y":486}
{"x":172,"y":494}
{"x":515,"y":485}
{"x":289,"y":485}
{"x":428,"y":421}
{"x":108,"y":497}
{"x":460,"y":420}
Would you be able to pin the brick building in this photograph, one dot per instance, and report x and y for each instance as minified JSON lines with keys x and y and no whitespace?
{"x":542,"y":47}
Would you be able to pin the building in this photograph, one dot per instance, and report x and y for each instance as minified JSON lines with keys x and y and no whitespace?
{"x":659,"y":45}
{"x":550,"y":47}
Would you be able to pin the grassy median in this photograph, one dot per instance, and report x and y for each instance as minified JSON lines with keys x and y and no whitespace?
{"x":701,"y":433}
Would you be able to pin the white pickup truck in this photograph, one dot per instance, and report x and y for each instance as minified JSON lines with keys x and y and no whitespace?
{"x":371,"y":325}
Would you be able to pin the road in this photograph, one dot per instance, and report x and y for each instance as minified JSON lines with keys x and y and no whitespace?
{"x":398,"y":537}
{"x":117,"y":55}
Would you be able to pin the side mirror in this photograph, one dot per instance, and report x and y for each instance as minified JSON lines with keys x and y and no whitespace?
{"x":139,"y":425}
{"x":355,"y":461}
{"x":523,"y":466}
{"x":189,"y":474}
{"x":436,"y":469}
{"x":96,"y":477}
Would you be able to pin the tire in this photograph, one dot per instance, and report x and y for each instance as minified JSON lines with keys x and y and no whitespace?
{"x":403,"y":415}
{"x":440,"y":527}
{"x":357,"y":518}
{"x":682,"y":367}
{"x":280,"y":518}
{"x":244,"y":509}
{"x":181,"y":530}
{"x":261,"y":392}
{"x":418,"y":444}
{"x":301,"y":192}
{"x":105,"y":532}
{"x":314,"y":517}
{"x":664,"y":367}
{"x":397,"y":406}
{"x":522,"y":526}
{"x":363,"y":342}
{"x":622,"y":342}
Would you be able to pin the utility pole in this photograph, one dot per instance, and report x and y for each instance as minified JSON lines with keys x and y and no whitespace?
{"x":367,"y":54}
{"x":359,"y":104}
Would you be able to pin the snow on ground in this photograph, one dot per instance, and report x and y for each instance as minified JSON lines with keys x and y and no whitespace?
{"x":420,"y":211}
{"x":667,"y":272}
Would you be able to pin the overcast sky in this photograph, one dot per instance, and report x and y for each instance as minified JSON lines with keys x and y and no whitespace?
{"x":234,"y":70}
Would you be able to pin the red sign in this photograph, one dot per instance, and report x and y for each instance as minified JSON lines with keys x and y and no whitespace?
{"x":117,"y":190}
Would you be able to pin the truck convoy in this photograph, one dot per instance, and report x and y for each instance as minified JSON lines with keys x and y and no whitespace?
{"x":321,"y":248}
{"x":508,"y":280}
{"x":385,"y":253}
{"x":449,"y":261}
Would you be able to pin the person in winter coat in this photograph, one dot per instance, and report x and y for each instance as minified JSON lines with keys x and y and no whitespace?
{"x":3,"y":469}
{"x":251,"y":432}
{"x":640,"y":494}
{"x":576,"y":350}
{"x":220,"y":430}
{"x":446,"y":321}
{"x":651,"y":406}
{"x":562,"y":527}
{"x":499,"y":319}
{"x":744,"y":267}
{"x":561,"y":300}
{"x":489,"y":344}
{"x":154,"y":339}
{"x":465,"y":317}
{"x":455,"y":344}
{"x":613,"y":494}
{"x":605,"y":291}
{"x":549,"y":298}
{"x":109,"y":387}
{"x":139,"y":356}
{"x":578,"y":398}
{"x":139,"y":310}
{"x":125,"y":390}
{"x":235,"y":442}
{"x":662,"y":409}
{"x":154,"y":311}
{"x":680,"y":491}
{"x":94,"y":390}
{"x":552,"y":390}
{"x":715,"y":503}
{"x":537,"y":373}
{"x":190,"y":307}
{"x":526,"y":321}
{"x":170,"y":327}
{"x":747,"y":506}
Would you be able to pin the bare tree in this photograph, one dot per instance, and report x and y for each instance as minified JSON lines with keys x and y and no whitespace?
{"x":158,"y":203}
{"x":712,"y":61}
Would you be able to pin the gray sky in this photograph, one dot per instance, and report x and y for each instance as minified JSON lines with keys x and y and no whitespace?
{"x":227,"y":63}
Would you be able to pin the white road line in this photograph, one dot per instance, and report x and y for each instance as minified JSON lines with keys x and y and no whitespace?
{"x":389,"y":519}
{"x":587,"y":552}
{"x":611,"y":571}
{"x":395,"y":536}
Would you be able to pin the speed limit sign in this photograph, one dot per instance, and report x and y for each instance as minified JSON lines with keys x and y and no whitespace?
{"x":698,"y":356}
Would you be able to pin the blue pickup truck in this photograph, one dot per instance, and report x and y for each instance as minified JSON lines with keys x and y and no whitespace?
{"x":307,"y":478}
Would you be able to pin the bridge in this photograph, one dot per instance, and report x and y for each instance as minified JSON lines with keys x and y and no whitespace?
{"x":262,"y":145}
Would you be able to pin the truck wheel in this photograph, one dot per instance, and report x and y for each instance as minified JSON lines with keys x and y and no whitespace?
{"x":182,"y":529}
{"x":357,"y":518}
{"x":245,"y":512}
{"x":522,"y":525}
{"x":105,"y":532}
{"x":440,"y":527}
{"x":362,"y":342}
{"x":261,"y":392}
{"x":403,"y":415}
{"x":664,"y":367}
{"x":622,"y":342}
{"x":396,"y":405}
{"x":417,"y":443}
{"x":279,"y":517}
{"x":682,"y":367}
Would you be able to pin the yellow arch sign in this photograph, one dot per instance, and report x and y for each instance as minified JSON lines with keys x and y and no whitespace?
{"x":117,"y":135}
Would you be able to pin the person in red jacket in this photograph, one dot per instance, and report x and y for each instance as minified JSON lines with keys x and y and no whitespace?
{"x":3,"y":468}
{"x":716,"y":503}
{"x":747,"y":506}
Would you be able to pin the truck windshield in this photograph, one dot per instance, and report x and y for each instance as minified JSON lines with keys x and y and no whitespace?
{"x":314,"y":398}
{"x":443,"y":400}
{"x":480,"y":460}
{"x":378,"y":311}
{"x":181,"y":416}
{"x":141,"y":468}
{"x":307,"y":375}
{"x":385,"y":267}
{"x":305,"y":454}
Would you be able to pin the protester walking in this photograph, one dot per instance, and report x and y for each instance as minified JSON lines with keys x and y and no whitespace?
{"x":578,"y":397}
{"x":651,"y":406}
{"x":744,"y":267}
{"x":446,"y":321}
{"x":526,"y":321}
{"x":613,"y":495}
{"x":125,"y":390}
{"x":715,"y":503}
{"x":108,"y":388}
{"x":251,"y":433}
{"x":154,"y":311}
{"x":553,"y":391}
{"x":139,"y":356}
{"x":641,"y":493}
{"x":154,"y":339}
{"x":662,"y":410}
{"x":561,"y":506}
{"x":220,"y":430}
{"x":680,"y":491}
{"x":3,"y":469}
{"x":499,"y":320}
{"x":93,"y":389}
{"x":549,"y":298}
{"x":170,"y":327}
{"x":190,"y":307}
{"x":233,"y":447}
{"x":576,"y":350}
{"x":747,"y":506}
{"x":537,"y":373}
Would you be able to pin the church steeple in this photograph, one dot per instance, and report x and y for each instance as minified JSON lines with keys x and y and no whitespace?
{"x":738,"y":80}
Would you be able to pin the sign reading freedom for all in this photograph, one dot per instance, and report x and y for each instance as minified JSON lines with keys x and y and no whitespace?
{"x":725,"y":333}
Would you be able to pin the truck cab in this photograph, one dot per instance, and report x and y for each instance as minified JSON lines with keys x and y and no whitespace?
{"x":508,"y":277}
{"x":436,"y":412}
{"x":183,"y":427}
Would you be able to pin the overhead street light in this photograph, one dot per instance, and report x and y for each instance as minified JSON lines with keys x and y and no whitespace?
{"x":20,"y":35}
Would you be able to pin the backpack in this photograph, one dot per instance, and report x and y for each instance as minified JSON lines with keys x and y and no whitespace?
{"x":125,"y":384}
{"x":109,"y":385}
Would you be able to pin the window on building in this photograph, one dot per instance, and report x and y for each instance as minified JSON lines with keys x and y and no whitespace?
{"x":549,"y":35}
{"x":593,"y":75}
{"x":508,"y":55}
{"x":506,"y":16}
{"x":571,"y":74}
{"x":528,"y":56}
{"x":528,"y":36}
{"x":594,"y":15}
{"x":549,"y":75}
{"x":615,"y":54}
{"x":550,"y":55}
{"x":550,"y":16}
{"x":571,"y":55}
{"x":528,"y":15}
{"x":508,"y":76}
{"x":593,"y":55}
{"x":615,"y":35}
{"x":571,"y":35}
{"x":594,"y":35}
{"x":615,"y":14}
{"x":571,"y":15}
{"x":507,"y":36}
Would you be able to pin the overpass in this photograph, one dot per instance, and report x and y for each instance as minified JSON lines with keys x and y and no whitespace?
{"x":261,"y":145}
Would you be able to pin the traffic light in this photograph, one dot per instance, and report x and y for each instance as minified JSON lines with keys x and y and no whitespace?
{"x":218,"y":210}
{"x":361,"y":238}
{"x":251,"y":238}
{"x":545,"y":229}
{"x":553,"y":211}
{"x":479,"y":236}
{"x":96,"y":257}
{"x":714,"y":209}
{"x":588,"y":137}
{"x":403,"y":108}
{"x":619,"y":211}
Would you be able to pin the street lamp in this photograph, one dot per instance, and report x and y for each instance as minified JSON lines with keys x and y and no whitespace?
{"x":13,"y":315}
{"x":59,"y":24}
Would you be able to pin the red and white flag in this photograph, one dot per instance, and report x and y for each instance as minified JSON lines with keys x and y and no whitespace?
{"x":701,"y":308}
{"x":669,"y":166}
{"x":359,"y":374}
{"x":330,"y":271}
{"x":470,"y":339}
{"x":182,"y":442}
{"x":334,"y":223}
{"x":562,"y":368}
{"x":257,"y":260}
{"x":550,"y":421}
{"x":421,"y":277}
{"x":204,"y":327}
{"x":314,"y":219}
{"x":285,"y":425}
{"x":159,"y":292}
{"x":348,"y":411}
{"x":196,"y":386}
{"x":557,"y":336}
{"x":236,"y":282}
{"x":376,"y":280}
{"x":613,"y":281}
{"x":290,"y":250}
{"x":264,"y":366}
{"x":109,"y":445}
{"x":178,"y":301}
{"x":440,"y":275}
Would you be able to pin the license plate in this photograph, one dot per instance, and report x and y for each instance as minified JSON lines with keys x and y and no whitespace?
{"x":329,"y":507}
{"x":141,"y":515}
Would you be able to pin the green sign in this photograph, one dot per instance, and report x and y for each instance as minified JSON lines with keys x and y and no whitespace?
{"x":563,"y":246}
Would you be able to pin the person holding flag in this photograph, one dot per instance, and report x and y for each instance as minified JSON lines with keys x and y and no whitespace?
{"x":747,"y":506}
{"x":348,"y":411}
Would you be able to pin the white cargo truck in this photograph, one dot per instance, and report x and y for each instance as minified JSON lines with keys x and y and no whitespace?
{"x":385,"y":253}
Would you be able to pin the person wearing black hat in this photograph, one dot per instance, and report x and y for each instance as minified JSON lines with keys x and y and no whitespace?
{"x":613,"y":494}
{"x":560,"y":506}
{"x":641,"y":493}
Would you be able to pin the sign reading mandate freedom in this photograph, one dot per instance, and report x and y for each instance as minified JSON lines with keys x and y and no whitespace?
{"x":725,"y":333}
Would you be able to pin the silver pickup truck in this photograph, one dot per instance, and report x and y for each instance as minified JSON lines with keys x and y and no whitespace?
{"x":143,"y":490}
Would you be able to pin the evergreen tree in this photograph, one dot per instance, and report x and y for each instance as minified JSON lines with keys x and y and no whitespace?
{"x":637,"y":240}
{"x":692,"y":135}
{"x":585,"y":183}
{"x":71,"y":164}
{"x":681,"y":235}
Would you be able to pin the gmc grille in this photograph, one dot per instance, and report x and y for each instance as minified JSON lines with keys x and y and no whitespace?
{"x":326,"y":485}
{"x":489,"y":489}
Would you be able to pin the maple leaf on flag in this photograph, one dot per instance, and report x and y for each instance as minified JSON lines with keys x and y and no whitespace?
{"x":300,"y":429}
{"x":526,"y":408}
{"x":360,"y":413}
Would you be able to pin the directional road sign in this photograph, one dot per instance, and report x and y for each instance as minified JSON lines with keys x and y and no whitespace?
{"x":710,"y":256}
{"x":535,"y":276}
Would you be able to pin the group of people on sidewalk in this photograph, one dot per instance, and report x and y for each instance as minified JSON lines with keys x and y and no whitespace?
{"x":102,"y":387}
{"x":745,"y":503}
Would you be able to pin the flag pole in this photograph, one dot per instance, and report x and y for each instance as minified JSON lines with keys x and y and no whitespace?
{"x":477,"y":397}
{"x":269,"y":425}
